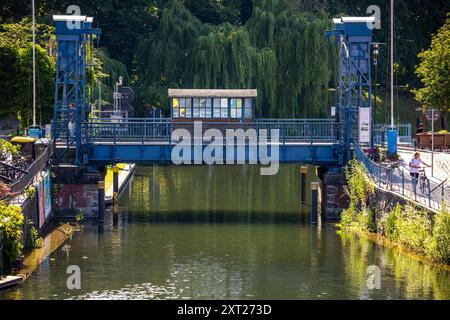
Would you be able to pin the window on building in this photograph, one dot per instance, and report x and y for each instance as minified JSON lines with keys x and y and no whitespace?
{"x":224,"y":108}
{"x":239,"y":108}
{"x":236,"y":108}
{"x":248,"y":113}
{"x":202,"y":108}
{"x":216,"y":108}
{"x":175,"y":108}
{"x":182,"y":103}
{"x":196,"y":108}
{"x":188,"y":108}
{"x":208,"y":108}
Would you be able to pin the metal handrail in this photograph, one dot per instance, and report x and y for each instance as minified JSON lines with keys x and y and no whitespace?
{"x":142,"y":131}
{"x":431,"y":195}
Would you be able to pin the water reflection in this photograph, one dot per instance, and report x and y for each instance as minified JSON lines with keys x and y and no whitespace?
{"x":209,"y":233}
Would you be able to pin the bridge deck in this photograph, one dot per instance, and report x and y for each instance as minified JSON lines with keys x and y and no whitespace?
{"x":312,"y":141}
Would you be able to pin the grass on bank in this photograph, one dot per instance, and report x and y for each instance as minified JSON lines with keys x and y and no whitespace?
{"x":408,"y":226}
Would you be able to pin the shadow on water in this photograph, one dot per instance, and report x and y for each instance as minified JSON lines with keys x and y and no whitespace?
{"x":224,"y":233}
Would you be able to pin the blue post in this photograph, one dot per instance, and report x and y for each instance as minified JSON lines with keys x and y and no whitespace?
{"x":314,"y":202}
{"x":392,"y":142}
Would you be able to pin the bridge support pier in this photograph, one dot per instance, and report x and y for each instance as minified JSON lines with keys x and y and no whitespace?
{"x":115,"y":191}
{"x":76,"y":191}
{"x":303,"y":173}
{"x":332,"y":192}
{"x":314,"y":202}
{"x":101,"y":202}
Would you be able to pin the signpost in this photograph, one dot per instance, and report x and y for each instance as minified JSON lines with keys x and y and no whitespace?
{"x":432,"y":115}
{"x":126,"y":95}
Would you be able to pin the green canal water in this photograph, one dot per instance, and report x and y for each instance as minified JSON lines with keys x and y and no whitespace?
{"x":225,"y":233}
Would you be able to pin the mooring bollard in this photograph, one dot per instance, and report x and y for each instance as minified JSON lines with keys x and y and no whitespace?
{"x":303,"y":172}
{"x":115,"y":190}
{"x":314,"y":202}
{"x":101,"y":201}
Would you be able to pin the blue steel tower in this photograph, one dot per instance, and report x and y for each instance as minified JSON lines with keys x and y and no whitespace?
{"x":353,"y":35}
{"x":74,"y":37}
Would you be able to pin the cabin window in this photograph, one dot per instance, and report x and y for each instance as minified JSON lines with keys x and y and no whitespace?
{"x":236,"y":108}
{"x":196,"y":108}
{"x":239,"y":108}
{"x":182,"y":103}
{"x":216,"y":108}
{"x":224,"y":108}
{"x":208,"y":108}
{"x":248,"y":108}
{"x":188,"y":103}
{"x":202,"y":108}
{"x":175,"y":108}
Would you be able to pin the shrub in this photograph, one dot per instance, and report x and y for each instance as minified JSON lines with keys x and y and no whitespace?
{"x":438,"y":246}
{"x":6,"y":146}
{"x":360,"y":188}
{"x":11,"y":221}
{"x":366,"y":220}
{"x":392,"y":223}
{"x":414,"y":228}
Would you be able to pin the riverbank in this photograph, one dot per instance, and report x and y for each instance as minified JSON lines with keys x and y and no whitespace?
{"x":405,"y":225}
{"x":56,"y":238}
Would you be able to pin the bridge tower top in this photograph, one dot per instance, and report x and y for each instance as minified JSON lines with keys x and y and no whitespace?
{"x":74,"y":39}
{"x":353,"y":35}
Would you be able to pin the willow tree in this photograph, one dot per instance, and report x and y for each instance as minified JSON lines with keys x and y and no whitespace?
{"x":280,"y":52}
{"x":305,"y":62}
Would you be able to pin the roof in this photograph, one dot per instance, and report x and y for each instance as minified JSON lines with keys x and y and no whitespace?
{"x":213,"y":93}
{"x":71,"y":18}
{"x":354,"y":20}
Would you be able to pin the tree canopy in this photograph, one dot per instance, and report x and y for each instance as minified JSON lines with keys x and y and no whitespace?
{"x":276,"y":46}
{"x":434,"y":72}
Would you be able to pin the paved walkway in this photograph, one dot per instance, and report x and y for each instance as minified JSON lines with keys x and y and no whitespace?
{"x":441,"y":162}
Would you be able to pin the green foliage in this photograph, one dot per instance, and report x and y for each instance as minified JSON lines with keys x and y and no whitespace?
{"x":279,"y":52}
{"x":79,"y":217}
{"x":8,"y":147}
{"x":359,"y":189}
{"x":11,"y":221}
{"x":32,"y":238}
{"x":414,"y":228}
{"x":30,"y":190}
{"x":16,"y":73}
{"x":438,"y":246}
{"x":360,"y":186}
{"x":392,"y":232}
{"x":434,"y":72}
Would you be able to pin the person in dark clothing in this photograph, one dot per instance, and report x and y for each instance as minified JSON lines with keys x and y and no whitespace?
{"x":420,"y":129}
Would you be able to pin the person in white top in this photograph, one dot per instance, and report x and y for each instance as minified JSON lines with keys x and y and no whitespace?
{"x":414,"y":168}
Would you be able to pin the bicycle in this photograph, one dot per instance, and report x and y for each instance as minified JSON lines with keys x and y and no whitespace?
{"x":423,"y":182}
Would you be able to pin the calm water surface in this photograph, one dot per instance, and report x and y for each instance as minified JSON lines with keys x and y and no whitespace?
{"x":224,"y":233}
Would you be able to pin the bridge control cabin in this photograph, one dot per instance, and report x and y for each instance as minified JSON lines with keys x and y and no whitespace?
{"x":212,"y":105}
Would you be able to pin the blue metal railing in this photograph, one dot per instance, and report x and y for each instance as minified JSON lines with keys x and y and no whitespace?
{"x":404,"y":134}
{"x":143,"y":131}
{"x":427,"y":193}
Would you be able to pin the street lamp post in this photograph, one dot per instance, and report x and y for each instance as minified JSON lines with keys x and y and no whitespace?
{"x":392,"y":132}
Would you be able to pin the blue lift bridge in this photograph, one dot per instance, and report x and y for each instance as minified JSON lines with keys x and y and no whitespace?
{"x":322,"y":142}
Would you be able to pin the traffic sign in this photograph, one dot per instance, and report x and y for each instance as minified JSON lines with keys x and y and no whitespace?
{"x":433,"y":115}
{"x":126,"y":95}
